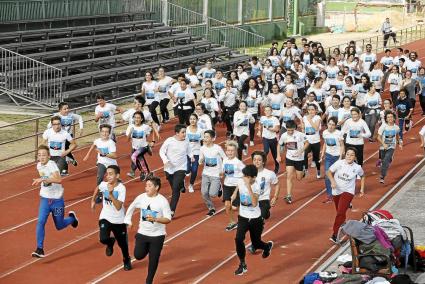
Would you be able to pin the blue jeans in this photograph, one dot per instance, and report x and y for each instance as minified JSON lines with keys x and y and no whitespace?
{"x":401,"y":125}
{"x":192,"y":168}
{"x":57,"y":208}
{"x":329,"y":161}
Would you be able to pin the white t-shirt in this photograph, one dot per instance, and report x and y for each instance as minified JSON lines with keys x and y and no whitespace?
{"x":389,"y":135}
{"x":313,"y":135}
{"x":56,"y":141}
{"x":184,"y":96}
{"x":345,"y":176}
{"x":128,"y":116}
{"x":347,"y":90}
{"x":138,"y":135}
{"x":49,"y":190}
{"x":332,"y":73}
{"x":68,"y":120}
{"x":387,"y":61}
{"x":211,"y":105}
{"x":331,"y":111}
{"x":194,"y":138}
{"x":157,"y":207}
{"x":109,"y":212}
{"x":376,"y":76}
{"x":175,"y":152}
{"x":212,"y":158}
{"x":108,"y":114}
{"x":332,"y":140}
{"x":241,"y":123}
{"x":356,"y":131}
{"x":163,"y":86}
{"x":206,"y":74}
{"x":105,"y":147}
{"x":294,"y":145}
{"x":344,"y":114}
{"x":252,"y":100}
{"x":218,"y":84}
{"x":413,"y":66}
{"x":394,"y":80}
{"x":150,"y":94}
{"x":246,"y":209}
{"x":374,"y":101}
{"x":265,"y":179}
{"x":232,"y":169}
{"x":361,"y":94}
{"x":367,"y":59}
{"x":290,"y":114}
{"x":267,"y":123}
{"x":204,"y":123}
{"x":318,"y":92}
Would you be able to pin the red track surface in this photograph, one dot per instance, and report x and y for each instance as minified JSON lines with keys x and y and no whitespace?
{"x":197,"y":248}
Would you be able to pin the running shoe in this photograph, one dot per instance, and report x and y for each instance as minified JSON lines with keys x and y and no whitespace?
{"x":183,"y":190}
{"x":288,"y":199}
{"x":231,"y":227}
{"x":64,"y":173}
{"x":251,"y":143}
{"x":172,"y":214}
{"x":318,"y":176}
{"x":99,"y":198}
{"x":276,"y":169}
{"x":143,"y":176}
{"x":131,"y":174}
{"x":313,"y":164}
{"x":191,"y":190}
{"x":381,"y":180}
{"x":268,"y":251}
{"x":73,"y":215}
{"x":251,"y":249}
{"x":333,"y":239}
{"x":110,"y":248}
{"x":242,"y":268}
{"x":245,"y":151}
{"x":127,"y":264}
{"x":211,"y":212}
{"x":149,"y":151}
{"x":220,"y":191}
{"x":39,"y":252}
{"x":305,"y":172}
{"x":74,"y":162}
{"x":327,"y":200}
{"x":378,"y":163}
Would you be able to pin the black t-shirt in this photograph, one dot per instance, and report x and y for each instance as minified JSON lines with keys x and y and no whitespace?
{"x":403,"y":107}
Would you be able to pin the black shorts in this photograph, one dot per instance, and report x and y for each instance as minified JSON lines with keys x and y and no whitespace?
{"x":298,"y":165}
{"x":227,"y":195}
{"x":265,"y":208}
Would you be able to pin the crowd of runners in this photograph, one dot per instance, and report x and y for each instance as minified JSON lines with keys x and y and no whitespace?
{"x":314,"y":109}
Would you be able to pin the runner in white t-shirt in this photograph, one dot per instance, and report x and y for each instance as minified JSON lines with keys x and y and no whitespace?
{"x":106,"y":152}
{"x":312,"y":125}
{"x":150,"y":91}
{"x":268,"y":129}
{"x":55,"y":138}
{"x":211,"y":155}
{"x":111,"y":217}
{"x":194,"y":135}
{"x":296,"y":143}
{"x":155,"y":213}
{"x":51,"y":199}
{"x":249,"y":218}
{"x":342,"y":175}
{"x":332,"y":151}
{"x":105,"y":113}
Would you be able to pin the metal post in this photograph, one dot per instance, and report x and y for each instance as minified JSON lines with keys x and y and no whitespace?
{"x":271,"y":10}
{"x":240,"y":15}
{"x":295,"y":24}
{"x":37,"y":121}
{"x":164,"y":9}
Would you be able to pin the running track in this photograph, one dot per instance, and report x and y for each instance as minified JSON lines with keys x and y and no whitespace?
{"x":197,"y":248}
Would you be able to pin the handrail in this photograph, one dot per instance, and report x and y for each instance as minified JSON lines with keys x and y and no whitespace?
{"x":403,"y":36}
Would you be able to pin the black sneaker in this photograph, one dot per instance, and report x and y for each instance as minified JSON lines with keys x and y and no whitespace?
{"x":149,"y":151}
{"x":74,"y":162}
{"x":333,"y":239}
{"x":211,"y":212}
{"x":231,"y":227}
{"x":172,"y":214}
{"x":39,"y":252}
{"x":110,"y":248}
{"x":75,"y":223}
{"x":127,"y":265}
{"x":288,"y":199}
{"x":143,"y":176}
{"x":267,"y":252}
{"x":64,"y":173}
{"x":242,"y":268}
{"x":183,"y":189}
{"x":251,"y":249}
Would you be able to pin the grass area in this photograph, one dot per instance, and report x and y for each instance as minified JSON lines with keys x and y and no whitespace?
{"x":349,"y":7}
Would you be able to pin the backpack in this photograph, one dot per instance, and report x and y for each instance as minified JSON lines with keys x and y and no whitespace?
{"x":374,"y":215}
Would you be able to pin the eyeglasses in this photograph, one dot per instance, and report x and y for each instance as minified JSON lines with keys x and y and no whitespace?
{"x":56,"y":124}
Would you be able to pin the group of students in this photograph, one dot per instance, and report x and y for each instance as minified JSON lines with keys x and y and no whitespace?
{"x":286,"y":101}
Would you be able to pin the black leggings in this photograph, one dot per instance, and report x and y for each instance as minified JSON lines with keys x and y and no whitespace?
{"x":149,"y":245}
{"x":252,"y":128}
{"x":67,"y":147}
{"x":60,"y":162}
{"x":271,"y":145}
{"x":255,"y":228}
{"x":163,"y":107}
{"x":422,"y":101}
{"x":120,"y":234}
{"x":184,"y":115}
{"x":359,"y":149}
{"x":152,"y":110}
{"x":176,"y":181}
{"x":241,"y":145}
{"x":315,"y":149}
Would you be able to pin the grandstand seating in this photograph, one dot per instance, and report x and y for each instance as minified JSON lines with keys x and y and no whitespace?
{"x":113,"y":57}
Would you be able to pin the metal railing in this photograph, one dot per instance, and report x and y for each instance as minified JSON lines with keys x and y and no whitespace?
{"x":403,"y":36}
{"x":21,"y":77}
{"x":208,"y":28}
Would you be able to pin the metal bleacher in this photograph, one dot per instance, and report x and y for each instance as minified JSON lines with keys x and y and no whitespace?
{"x":109,"y":57}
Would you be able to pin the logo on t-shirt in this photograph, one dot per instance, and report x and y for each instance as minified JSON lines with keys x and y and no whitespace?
{"x":245,"y":122}
{"x":150,"y":95}
{"x":262,"y":185}
{"x":107,"y":198}
{"x":211,"y":162}
{"x":330,"y":141}
{"x":54,"y":145}
{"x":229,"y":170}
{"x":138,"y":134}
{"x":194,"y":137}
{"x":310,"y":130}
{"x":106,"y":114}
{"x":275,"y":106}
{"x":66,"y":121}
{"x":246,"y":200}
{"x":354,"y":133}
{"x":291,"y":145}
{"x":103,"y":151}
{"x":146,"y":213}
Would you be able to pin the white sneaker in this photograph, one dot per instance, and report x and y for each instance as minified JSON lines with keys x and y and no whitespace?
{"x":313,"y":164}
{"x":251,"y":143}
{"x":245,"y":151}
{"x":191,"y":190}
